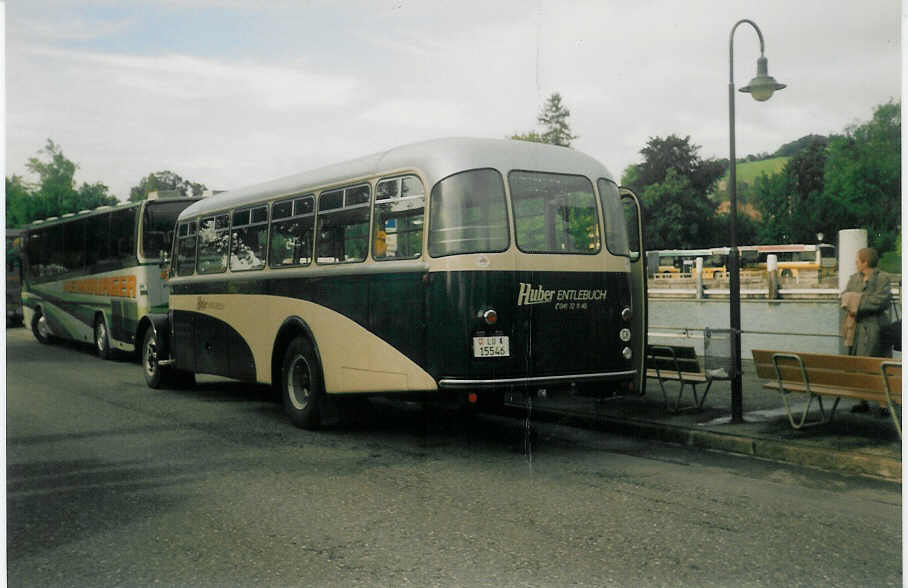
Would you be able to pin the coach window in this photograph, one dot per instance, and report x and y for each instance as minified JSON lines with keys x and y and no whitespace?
{"x":123,"y":236}
{"x":214,"y":240}
{"x":39,"y":247}
{"x":292,"y":226}
{"x":398,"y":218}
{"x":74,"y":246}
{"x":56,"y":255}
{"x":343,"y":225}
{"x":97,"y":250}
{"x":249,"y":239}
{"x":186,"y":241}
{"x":468,"y":214}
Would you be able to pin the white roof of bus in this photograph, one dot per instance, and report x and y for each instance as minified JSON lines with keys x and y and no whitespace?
{"x":438,"y":159}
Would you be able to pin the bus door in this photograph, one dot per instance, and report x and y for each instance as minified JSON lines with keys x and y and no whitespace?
{"x":562,"y":295}
{"x":634,"y":217}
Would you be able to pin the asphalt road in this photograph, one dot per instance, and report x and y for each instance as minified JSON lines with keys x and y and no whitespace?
{"x":110,"y":483}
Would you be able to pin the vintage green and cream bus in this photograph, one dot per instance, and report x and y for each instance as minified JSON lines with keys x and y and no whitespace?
{"x":97,"y":275}
{"x":465,"y":267}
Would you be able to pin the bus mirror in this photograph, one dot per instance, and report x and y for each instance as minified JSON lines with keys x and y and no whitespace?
{"x":635,"y":255}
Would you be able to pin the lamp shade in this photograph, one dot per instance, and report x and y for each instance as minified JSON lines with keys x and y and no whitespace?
{"x":762,"y":86}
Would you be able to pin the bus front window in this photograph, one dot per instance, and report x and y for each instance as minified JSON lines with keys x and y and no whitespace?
{"x":157,"y":226}
{"x":468,"y":214}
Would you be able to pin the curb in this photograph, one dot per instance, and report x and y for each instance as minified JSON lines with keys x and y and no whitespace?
{"x":846,"y":462}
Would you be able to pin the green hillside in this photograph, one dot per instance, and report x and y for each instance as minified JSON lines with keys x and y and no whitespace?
{"x":748,"y":172}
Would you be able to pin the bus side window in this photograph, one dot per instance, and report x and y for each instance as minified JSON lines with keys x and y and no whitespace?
{"x":123,"y":237}
{"x":398,"y":218}
{"x":292,"y":225}
{"x":343,"y":225}
{"x":97,"y":238}
{"x":249,"y":239}
{"x":186,"y":245}
{"x":214,"y":238}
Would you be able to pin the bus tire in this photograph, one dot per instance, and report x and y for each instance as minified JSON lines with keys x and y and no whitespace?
{"x":102,"y":339}
{"x":156,"y":375}
{"x":301,"y":384}
{"x":40,"y":329}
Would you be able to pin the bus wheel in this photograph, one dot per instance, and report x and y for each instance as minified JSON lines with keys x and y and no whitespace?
{"x":102,"y":341}
{"x":301,"y":384}
{"x":155,"y":374}
{"x":41,"y":329}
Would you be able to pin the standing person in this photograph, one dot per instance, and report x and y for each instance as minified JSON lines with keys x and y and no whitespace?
{"x":866,"y":299}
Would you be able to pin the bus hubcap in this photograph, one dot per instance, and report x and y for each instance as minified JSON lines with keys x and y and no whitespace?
{"x":151,"y":356}
{"x":298,"y":384}
{"x":42,"y":327}
{"x":102,"y":336}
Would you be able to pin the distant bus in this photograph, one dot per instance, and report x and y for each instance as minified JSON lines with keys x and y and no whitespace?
{"x":458,"y":268}
{"x":793,"y":259}
{"x":13,"y":277}
{"x":95,"y":276}
{"x":674,"y":262}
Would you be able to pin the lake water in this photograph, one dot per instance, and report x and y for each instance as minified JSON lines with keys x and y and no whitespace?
{"x":785,"y":325}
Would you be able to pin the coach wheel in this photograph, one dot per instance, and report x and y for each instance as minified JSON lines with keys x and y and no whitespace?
{"x":786,"y":273}
{"x":102,"y":341}
{"x":155,"y":373}
{"x":301,"y":384}
{"x":41,"y":329}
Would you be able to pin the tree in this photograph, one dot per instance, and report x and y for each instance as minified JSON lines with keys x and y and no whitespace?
{"x":863,"y":181}
{"x":165,"y":180}
{"x":554,"y":118}
{"x":677,"y":215}
{"x":673,"y":152}
{"x":673,"y":183}
{"x":55,"y":193}
{"x":19,"y":203}
{"x":791,"y":203}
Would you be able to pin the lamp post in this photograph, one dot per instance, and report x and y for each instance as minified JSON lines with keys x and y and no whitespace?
{"x":761,"y":88}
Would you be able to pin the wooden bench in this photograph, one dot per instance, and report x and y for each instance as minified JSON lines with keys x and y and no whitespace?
{"x":678,"y":363}
{"x":874,"y":379}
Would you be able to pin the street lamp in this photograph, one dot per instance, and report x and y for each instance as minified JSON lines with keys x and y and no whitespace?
{"x":761,"y":88}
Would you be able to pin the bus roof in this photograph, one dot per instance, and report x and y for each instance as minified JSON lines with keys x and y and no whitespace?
{"x":438,"y":158}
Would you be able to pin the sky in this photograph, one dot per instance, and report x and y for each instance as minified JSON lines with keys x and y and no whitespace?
{"x":231,"y":93}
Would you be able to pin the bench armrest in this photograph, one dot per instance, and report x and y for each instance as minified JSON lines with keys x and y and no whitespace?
{"x":775,"y":364}
{"x":671,"y":353}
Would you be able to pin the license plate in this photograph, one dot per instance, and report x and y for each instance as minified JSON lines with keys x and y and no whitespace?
{"x":491,"y":346}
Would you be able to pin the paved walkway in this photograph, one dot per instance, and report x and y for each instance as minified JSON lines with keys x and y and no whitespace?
{"x":863,"y":444}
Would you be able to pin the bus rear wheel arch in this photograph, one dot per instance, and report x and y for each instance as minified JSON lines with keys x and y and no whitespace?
{"x":301,"y":383}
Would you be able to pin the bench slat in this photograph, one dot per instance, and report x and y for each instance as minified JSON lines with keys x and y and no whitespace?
{"x":834,"y":378}
{"x":832,"y":391}
{"x":827,"y":361}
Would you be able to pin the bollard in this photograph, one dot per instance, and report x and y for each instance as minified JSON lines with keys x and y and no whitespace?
{"x":772,"y":272}
{"x":699,"y":273}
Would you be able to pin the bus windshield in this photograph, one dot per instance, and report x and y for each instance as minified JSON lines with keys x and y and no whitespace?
{"x":157,"y":226}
